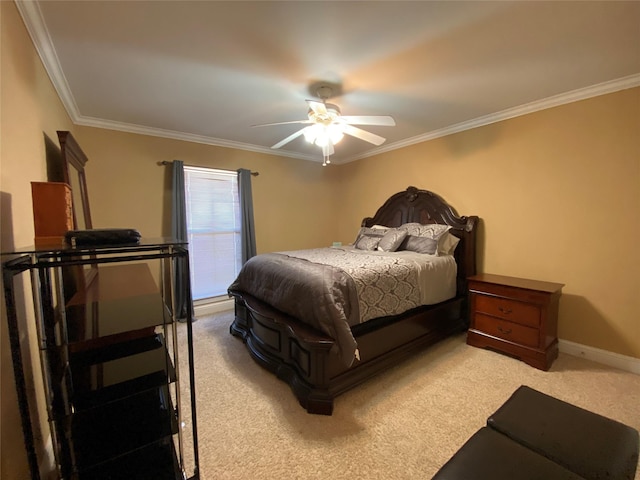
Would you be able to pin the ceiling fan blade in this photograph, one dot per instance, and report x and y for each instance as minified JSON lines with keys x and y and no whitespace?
{"x":289,"y":138}
{"x":383,"y":120}
{"x":281,"y":123}
{"x":363,"y":134}
{"x":318,"y":108}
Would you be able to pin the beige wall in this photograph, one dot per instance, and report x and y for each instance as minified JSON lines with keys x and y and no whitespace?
{"x":558,"y":192}
{"x":293,"y":199}
{"x":30,"y":109}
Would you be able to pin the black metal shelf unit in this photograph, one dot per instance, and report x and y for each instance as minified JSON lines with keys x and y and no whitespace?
{"x":109,"y":348}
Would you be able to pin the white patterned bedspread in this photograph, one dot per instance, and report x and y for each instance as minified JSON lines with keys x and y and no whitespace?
{"x":389,"y":283}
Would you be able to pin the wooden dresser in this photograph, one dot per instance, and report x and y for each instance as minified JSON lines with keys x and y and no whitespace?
{"x":515,"y":316}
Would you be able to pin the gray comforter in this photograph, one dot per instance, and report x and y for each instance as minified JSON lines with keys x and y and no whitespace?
{"x":332,"y":289}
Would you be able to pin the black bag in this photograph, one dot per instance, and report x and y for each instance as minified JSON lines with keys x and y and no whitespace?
{"x":102,"y":236}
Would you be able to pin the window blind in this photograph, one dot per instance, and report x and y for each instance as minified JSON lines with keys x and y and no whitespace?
{"x":213,"y":230}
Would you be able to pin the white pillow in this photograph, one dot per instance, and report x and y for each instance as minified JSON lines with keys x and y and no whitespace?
{"x":447,"y":244}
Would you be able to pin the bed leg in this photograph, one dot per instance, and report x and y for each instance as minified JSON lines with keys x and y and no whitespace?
{"x":238,"y":330}
{"x":318,"y":406}
{"x":239,"y":327}
{"x":316,"y":400}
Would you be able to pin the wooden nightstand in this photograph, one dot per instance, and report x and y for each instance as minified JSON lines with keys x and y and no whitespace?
{"x":515,"y":316}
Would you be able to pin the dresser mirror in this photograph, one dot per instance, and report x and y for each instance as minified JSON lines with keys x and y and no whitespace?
{"x":73,"y":162}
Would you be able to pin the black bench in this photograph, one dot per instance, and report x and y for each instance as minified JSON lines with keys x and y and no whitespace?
{"x":580,"y":443}
{"x":489,"y":455}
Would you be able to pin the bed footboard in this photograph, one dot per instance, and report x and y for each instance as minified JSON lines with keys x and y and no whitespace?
{"x":298,"y":355}
{"x":303,"y":357}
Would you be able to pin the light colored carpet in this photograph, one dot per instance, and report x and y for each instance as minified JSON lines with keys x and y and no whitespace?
{"x":404,"y":424}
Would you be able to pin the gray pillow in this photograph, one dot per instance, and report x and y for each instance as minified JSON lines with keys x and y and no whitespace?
{"x":392,"y":240}
{"x":420,"y":245}
{"x":371,"y":232}
{"x":367,"y":242}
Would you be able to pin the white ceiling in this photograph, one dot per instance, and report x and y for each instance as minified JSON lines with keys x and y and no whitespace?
{"x":206,"y":71}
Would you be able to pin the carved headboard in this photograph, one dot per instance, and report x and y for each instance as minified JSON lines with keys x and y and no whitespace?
{"x":423,"y":206}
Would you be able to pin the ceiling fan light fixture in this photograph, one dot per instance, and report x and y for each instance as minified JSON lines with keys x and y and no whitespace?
{"x":335,"y":132}
{"x":322,"y":135}
{"x":313,"y":133}
{"x":326,"y":126}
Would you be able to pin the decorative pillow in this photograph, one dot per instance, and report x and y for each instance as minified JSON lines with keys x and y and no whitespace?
{"x":446,"y":243}
{"x":420,"y":245}
{"x":368,"y":242}
{"x":392,"y":239}
{"x":411,"y":228}
{"x":371,"y":232}
{"x":434,"y":230}
{"x":431,"y":230}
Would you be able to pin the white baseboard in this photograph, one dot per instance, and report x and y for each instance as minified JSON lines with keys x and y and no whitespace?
{"x":213,"y":307}
{"x":623,"y":362}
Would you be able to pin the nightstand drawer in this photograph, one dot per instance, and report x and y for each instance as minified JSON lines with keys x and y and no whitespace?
{"x":523,"y":313}
{"x":506,"y":330}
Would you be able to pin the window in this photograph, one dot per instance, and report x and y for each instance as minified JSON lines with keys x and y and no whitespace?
{"x":213,"y":230}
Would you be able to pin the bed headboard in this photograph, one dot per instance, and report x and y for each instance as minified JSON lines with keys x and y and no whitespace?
{"x":423,"y":206}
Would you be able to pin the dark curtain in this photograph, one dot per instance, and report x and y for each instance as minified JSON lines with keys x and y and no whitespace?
{"x":179,"y":232}
{"x":246,"y":212}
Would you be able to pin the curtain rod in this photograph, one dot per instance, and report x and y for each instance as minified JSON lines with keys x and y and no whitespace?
{"x":167,"y":162}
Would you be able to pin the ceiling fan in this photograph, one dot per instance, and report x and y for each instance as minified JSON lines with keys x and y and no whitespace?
{"x":326,"y":126}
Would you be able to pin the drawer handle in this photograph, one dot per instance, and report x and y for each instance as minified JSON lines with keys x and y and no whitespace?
{"x":506,"y":331}
{"x":505,"y":310}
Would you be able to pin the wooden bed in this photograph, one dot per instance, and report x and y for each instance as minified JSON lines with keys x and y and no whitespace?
{"x":300,"y":354}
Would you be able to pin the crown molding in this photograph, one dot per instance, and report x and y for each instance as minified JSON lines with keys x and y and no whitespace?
{"x":33,"y":20}
{"x":604,"y":88}
{"x":187,"y":137}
